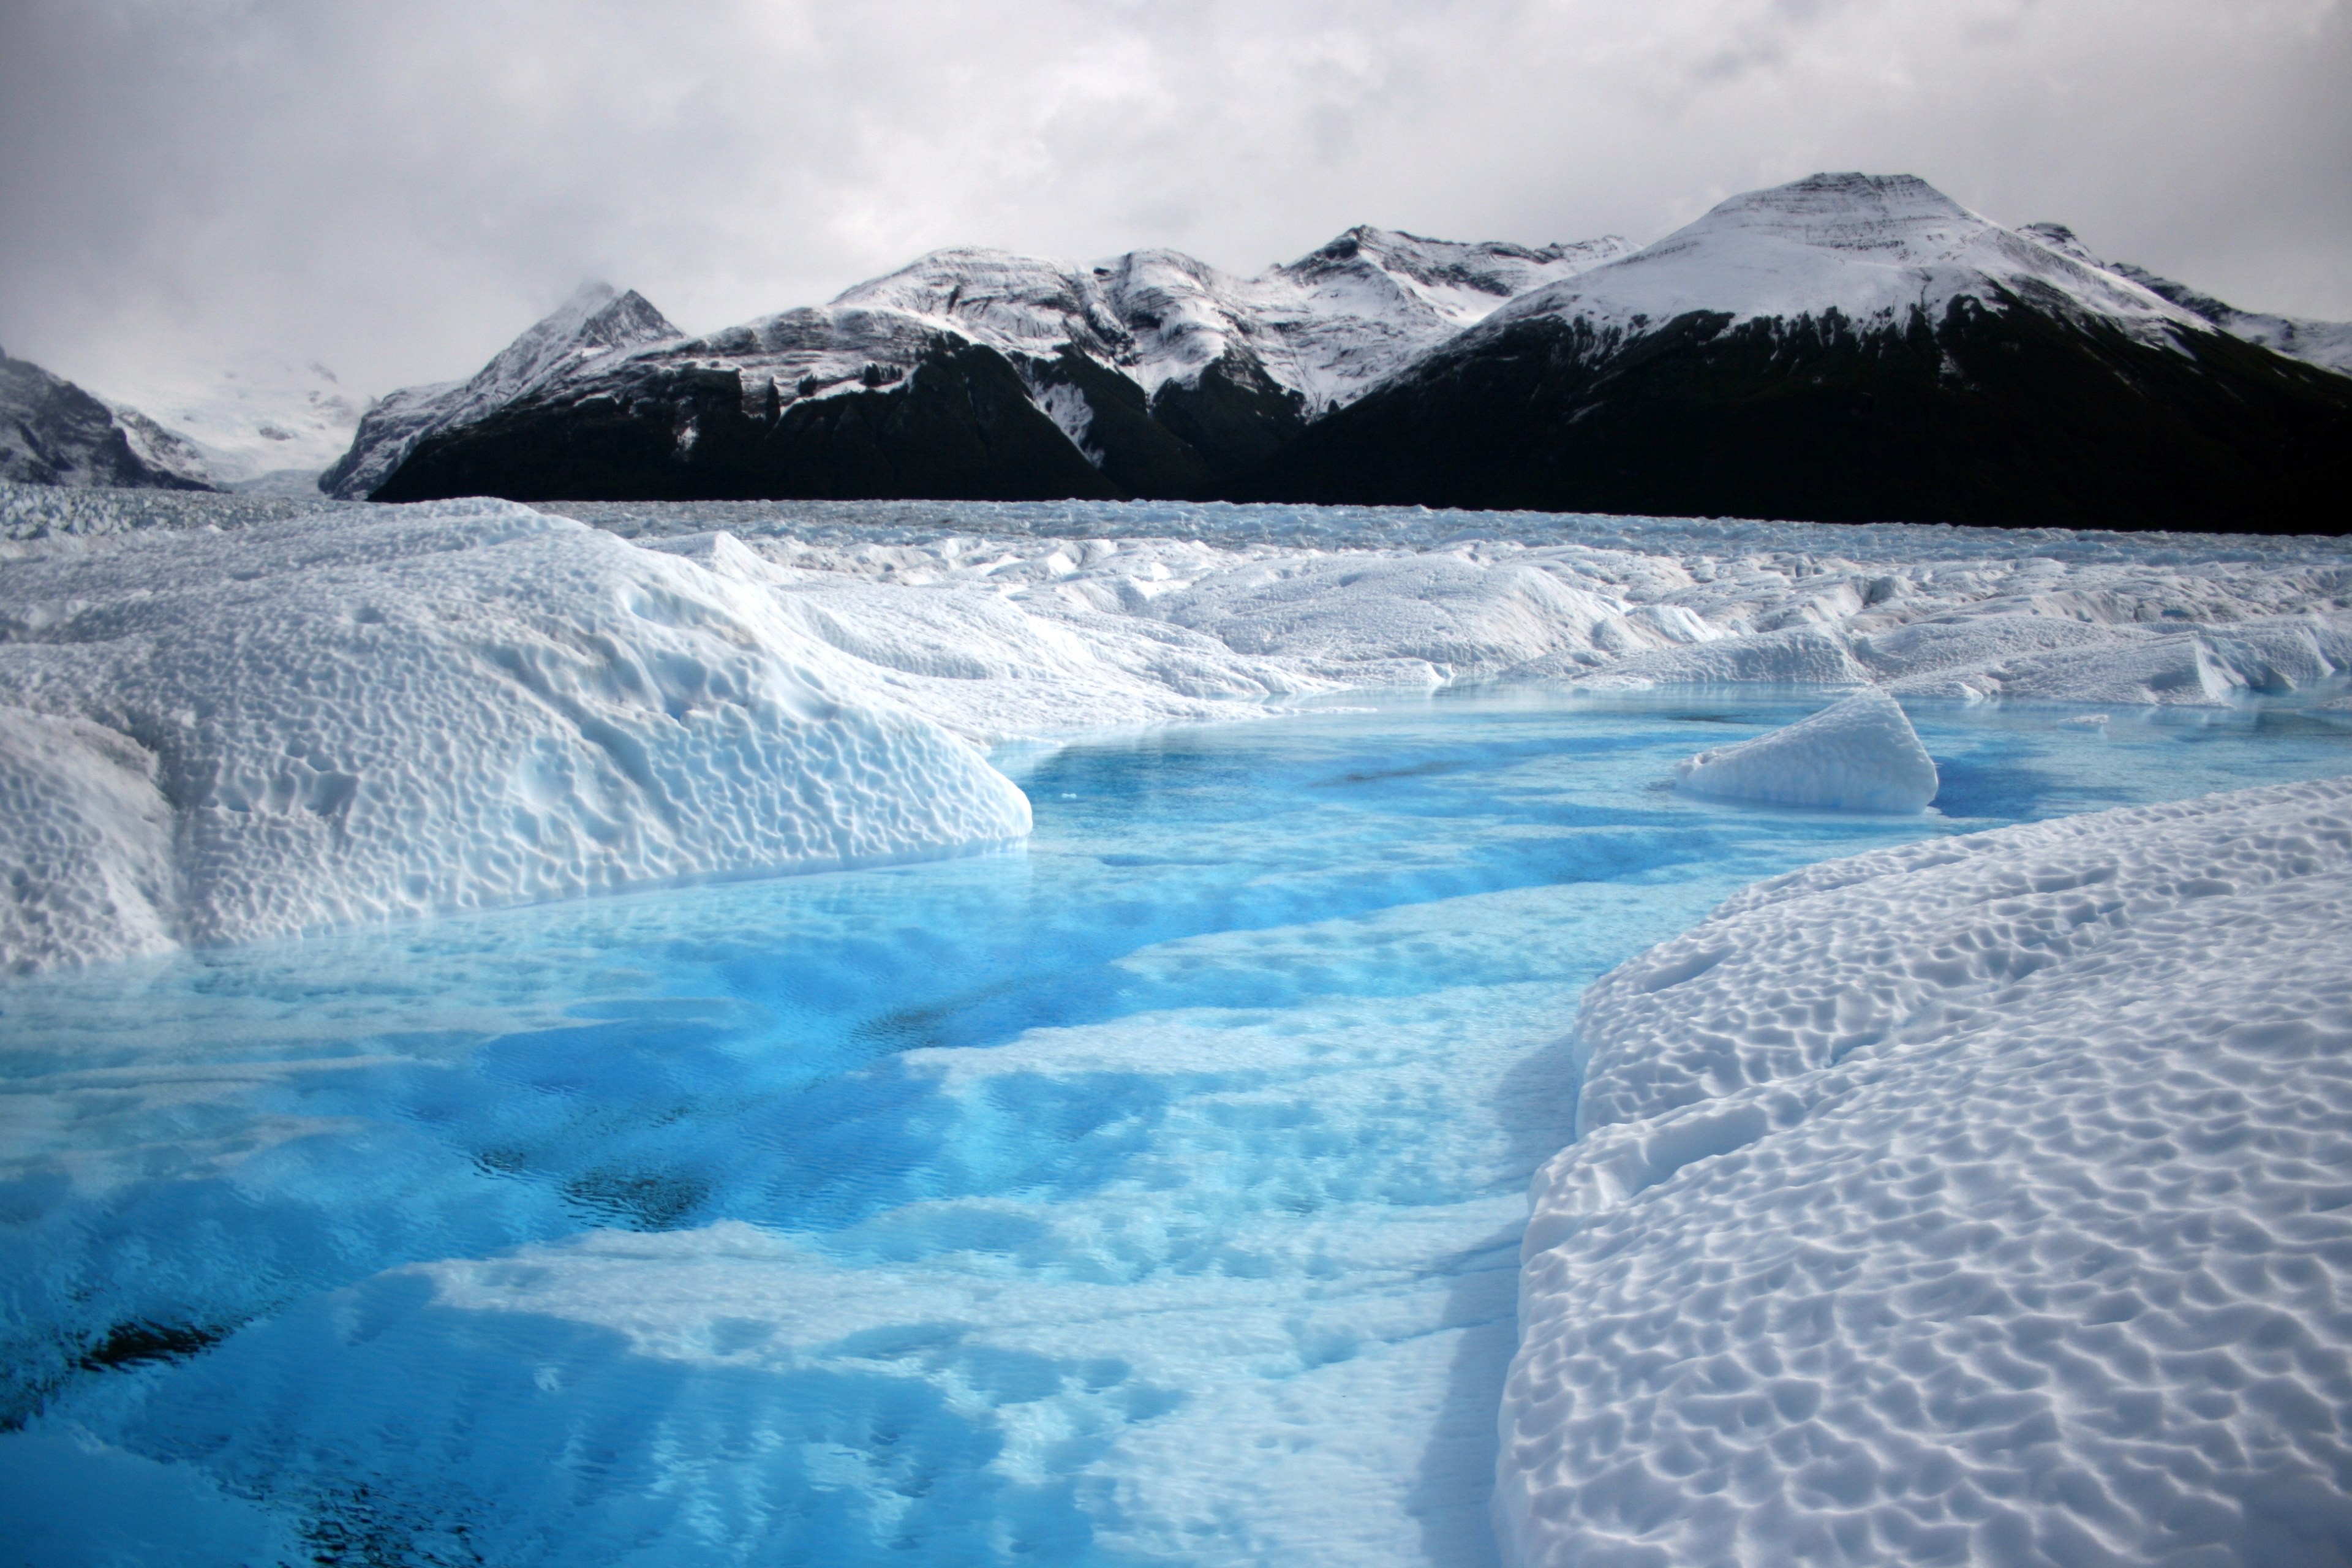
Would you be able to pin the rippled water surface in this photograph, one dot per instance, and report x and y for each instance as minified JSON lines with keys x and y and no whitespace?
{"x":1149,"y":1195}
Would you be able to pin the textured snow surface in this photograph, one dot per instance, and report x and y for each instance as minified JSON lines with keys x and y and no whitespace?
{"x":1980,"y":1200}
{"x":1857,"y":754}
{"x":1164,"y":612}
{"x":209,"y":737}
{"x":616,"y":712}
{"x":1872,"y":248}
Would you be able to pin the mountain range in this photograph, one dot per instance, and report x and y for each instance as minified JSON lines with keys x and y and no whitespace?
{"x":1848,"y":347}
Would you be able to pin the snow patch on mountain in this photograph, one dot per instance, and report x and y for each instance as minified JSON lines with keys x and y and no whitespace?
{"x":1325,"y":327}
{"x":1874,"y":248}
{"x":596,"y":323}
{"x":2327,"y":344}
{"x":54,"y":433}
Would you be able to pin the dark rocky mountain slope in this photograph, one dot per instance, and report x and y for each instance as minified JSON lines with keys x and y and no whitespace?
{"x":54,"y":433}
{"x":1848,"y":349}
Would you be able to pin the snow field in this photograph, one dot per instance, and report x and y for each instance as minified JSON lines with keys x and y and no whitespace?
{"x":1871,"y":247}
{"x":1975,"y":1201}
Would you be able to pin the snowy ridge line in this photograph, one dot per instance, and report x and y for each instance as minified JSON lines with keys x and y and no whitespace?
{"x":1874,"y":248}
{"x":1993,"y":1188}
{"x":1325,"y":327}
{"x":1313,"y":334}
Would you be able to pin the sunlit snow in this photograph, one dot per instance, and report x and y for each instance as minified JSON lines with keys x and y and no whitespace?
{"x":1151,"y":1187}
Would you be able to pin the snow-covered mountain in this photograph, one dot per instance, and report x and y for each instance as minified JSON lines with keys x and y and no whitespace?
{"x":1848,"y":347}
{"x":257,"y":425}
{"x":1161,"y":374}
{"x":595,"y":322}
{"x":54,"y":433}
{"x":2327,"y":344}
{"x":1325,"y":327}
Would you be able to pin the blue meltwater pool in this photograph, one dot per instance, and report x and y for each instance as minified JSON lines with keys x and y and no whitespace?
{"x":1149,"y":1195}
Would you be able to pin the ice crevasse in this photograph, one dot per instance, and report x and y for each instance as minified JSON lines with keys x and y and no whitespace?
{"x":214,"y":737}
{"x":1982,"y":1200}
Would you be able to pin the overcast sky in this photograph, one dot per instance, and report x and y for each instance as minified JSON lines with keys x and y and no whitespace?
{"x":397,"y":189}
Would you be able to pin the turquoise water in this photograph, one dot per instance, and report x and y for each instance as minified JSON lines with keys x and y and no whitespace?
{"x":1150,"y":1194}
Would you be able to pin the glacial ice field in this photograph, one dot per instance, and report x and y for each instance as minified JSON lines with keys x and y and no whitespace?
{"x":1150,"y":1192}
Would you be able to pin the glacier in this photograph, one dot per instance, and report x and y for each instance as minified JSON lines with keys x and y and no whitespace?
{"x":1154,"y":1192}
{"x":809,"y":686}
{"x":215,"y":736}
{"x":1979,"y":1200}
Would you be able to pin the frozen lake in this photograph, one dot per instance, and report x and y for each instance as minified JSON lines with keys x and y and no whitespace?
{"x":1150,"y":1195}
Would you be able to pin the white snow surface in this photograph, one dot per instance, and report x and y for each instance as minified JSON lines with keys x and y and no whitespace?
{"x":1873,"y":247}
{"x":1326,"y":326}
{"x":258,"y":423}
{"x":211,"y":736}
{"x":315,"y":720}
{"x":1860,"y":753}
{"x":1978,"y":1201}
{"x":1111,"y":630}
{"x":2327,"y":344}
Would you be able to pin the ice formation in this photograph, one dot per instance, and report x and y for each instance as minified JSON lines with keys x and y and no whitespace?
{"x":211,"y":736}
{"x":1857,"y":754}
{"x":991,"y":623}
{"x":1978,"y":1200}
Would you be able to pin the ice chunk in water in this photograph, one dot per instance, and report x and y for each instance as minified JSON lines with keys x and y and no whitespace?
{"x":1859,"y":755}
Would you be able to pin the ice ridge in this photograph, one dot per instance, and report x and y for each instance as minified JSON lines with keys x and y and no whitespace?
{"x":209,"y":738}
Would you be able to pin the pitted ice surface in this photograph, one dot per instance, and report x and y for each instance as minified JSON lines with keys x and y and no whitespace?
{"x":1982,"y":1200}
{"x":214,"y":737}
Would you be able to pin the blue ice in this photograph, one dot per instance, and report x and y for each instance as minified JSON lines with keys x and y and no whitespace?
{"x":1152,"y":1194}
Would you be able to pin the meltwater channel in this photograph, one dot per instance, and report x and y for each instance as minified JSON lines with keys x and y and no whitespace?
{"x":1148,"y":1195}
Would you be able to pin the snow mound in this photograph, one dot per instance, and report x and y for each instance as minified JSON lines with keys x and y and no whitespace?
{"x":1978,"y":1200}
{"x":214,"y":737}
{"x":1857,"y":754}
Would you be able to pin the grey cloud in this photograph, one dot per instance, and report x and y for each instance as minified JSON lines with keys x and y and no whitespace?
{"x":398,"y":189}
